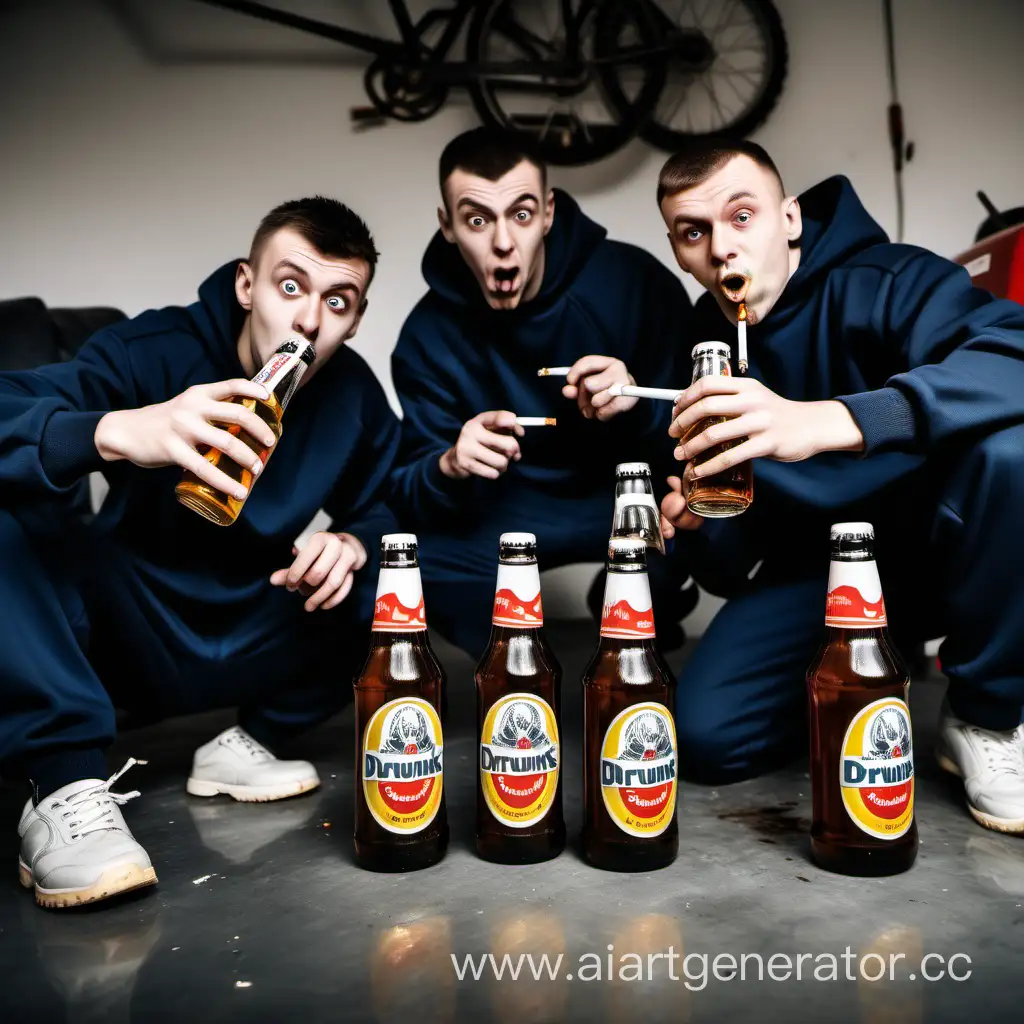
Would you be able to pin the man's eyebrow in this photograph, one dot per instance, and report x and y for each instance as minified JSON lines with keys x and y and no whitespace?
{"x":466,"y":202}
{"x":526,"y":197}
{"x":685,"y":218}
{"x":341,"y":286}
{"x":739,"y":195}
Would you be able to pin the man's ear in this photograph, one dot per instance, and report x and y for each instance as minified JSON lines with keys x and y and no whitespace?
{"x":445,"y":224}
{"x":549,"y":210}
{"x":244,"y":276}
{"x":793,"y":218}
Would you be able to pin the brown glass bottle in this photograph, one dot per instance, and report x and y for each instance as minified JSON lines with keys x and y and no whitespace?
{"x":732,"y":491}
{"x":280,"y":377}
{"x":518,"y":701}
{"x":400,"y":818}
{"x":862,"y":761}
{"x":629,"y":736}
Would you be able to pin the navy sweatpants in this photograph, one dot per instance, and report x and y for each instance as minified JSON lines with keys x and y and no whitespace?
{"x":82,"y":631}
{"x":950,"y":553}
{"x":459,"y":566}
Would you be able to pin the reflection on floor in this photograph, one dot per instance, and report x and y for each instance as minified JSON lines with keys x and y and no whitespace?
{"x":261,"y":915}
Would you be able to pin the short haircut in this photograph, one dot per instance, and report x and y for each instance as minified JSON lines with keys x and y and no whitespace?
{"x":489,"y":153}
{"x":329,"y":226}
{"x":699,"y":160}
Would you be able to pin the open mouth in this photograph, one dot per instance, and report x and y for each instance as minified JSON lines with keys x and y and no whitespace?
{"x":734,"y":285}
{"x":506,"y":280}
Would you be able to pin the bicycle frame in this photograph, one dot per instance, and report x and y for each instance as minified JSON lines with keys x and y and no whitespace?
{"x":521,"y":74}
{"x":410,"y":47}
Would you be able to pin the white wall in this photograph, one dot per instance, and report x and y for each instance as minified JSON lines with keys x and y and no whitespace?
{"x":125,"y":181}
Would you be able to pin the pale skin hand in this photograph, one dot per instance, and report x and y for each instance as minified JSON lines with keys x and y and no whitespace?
{"x":674,"y":513}
{"x":485,"y":447}
{"x":773,"y":427}
{"x":588,"y":382}
{"x":167,"y":434}
{"x":324,"y":570}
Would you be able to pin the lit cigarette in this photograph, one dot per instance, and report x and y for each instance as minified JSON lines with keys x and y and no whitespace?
{"x":741,"y":330}
{"x":536,"y":421}
{"x":631,"y":391}
{"x":554,"y":371}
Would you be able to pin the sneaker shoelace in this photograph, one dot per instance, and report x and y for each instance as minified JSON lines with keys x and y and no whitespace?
{"x":256,"y":752}
{"x":1003,"y":751}
{"x":91,"y":809}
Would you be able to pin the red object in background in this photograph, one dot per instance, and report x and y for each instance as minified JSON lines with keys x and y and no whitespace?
{"x":996,"y":263}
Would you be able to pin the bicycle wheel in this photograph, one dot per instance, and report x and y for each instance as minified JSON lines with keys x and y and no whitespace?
{"x":726,"y":66}
{"x":569,"y":115}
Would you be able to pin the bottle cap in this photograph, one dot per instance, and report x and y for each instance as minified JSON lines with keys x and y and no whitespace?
{"x":852,"y":531}
{"x":627,"y":551}
{"x":632,"y":469}
{"x":395,"y":541}
{"x":718,"y":348}
{"x":518,"y":540}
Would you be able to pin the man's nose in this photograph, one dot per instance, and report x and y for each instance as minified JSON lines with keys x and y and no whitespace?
{"x":723,"y":248}
{"x":307,"y":319}
{"x":503,"y":244}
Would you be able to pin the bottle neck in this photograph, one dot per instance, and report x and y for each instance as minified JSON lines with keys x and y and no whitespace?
{"x":399,"y":606}
{"x":855,"y":599}
{"x":517,"y":601}
{"x":628,"y":612}
{"x":281,"y":376}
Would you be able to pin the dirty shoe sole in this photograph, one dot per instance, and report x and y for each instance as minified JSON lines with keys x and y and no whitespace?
{"x":1012,"y":826}
{"x":250,"y":794}
{"x":110,"y":883}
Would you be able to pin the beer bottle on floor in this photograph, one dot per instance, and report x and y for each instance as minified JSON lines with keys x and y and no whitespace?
{"x":629,"y":736}
{"x":401,"y":823}
{"x":862,"y":758}
{"x":518,"y":697}
{"x":280,"y":377}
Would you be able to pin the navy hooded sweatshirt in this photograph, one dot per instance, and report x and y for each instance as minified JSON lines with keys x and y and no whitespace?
{"x":339,"y":437}
{"x":923,"y":360}
{"x":456,"y":357}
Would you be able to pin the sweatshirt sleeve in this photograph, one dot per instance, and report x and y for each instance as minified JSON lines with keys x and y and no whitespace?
{"x":961,"y":358}
{"x":432,"y":419}
{"x":48,"y":416}
{"x":358,"y":503}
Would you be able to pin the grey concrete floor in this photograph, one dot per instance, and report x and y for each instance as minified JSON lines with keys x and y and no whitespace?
{"x":260,"y":914}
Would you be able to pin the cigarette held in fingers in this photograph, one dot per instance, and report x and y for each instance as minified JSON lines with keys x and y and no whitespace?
{"x":554,"y":371}
{"x":536,"y":421}
{"x":632,"y":391}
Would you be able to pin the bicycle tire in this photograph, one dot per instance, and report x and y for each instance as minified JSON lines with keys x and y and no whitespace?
{"x":670,"y":138}
{"x":630,"y":116}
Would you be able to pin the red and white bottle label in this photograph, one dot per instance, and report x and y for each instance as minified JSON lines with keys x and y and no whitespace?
{"x":517,"y":600}
{"x":855,"y":596}
{"x":628,"y":614}
{"x":399,"y":607}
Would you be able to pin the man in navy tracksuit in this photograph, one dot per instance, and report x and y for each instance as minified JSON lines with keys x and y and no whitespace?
{"x":520,"y":278}
{"x":882,"y":387}
{"x":152,"y":607}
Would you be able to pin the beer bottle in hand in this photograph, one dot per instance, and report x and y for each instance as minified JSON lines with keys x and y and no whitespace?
{"x":862,"y":759}
{"x":629,"y":736}
{"x":519,"y":789}
{"x":401,"y":823}
{"x":280,"y":377}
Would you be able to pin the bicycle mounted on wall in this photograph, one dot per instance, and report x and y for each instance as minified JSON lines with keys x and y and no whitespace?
{"x":581,"y":77}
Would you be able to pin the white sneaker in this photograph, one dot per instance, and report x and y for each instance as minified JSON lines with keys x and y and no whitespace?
{"x":991,"y":763}
{"x":76,"y":848}
{"x":235,"y":764}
